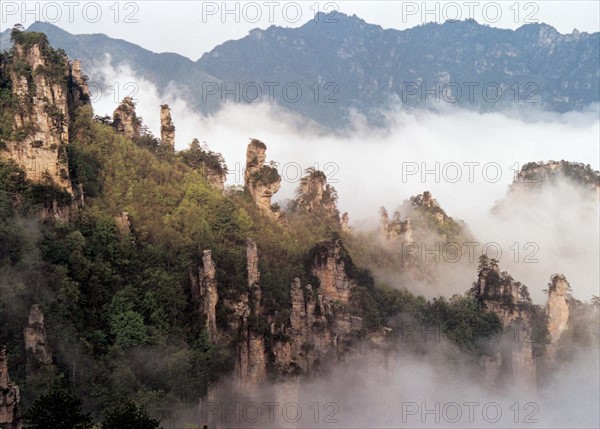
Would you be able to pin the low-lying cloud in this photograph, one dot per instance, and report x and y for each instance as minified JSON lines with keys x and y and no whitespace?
{"x":373,"y":167}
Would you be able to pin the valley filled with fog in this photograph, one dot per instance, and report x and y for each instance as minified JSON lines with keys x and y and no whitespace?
{"x":468,"y":161}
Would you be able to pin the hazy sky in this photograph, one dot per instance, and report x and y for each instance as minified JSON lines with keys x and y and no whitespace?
{"x":191,"y":28}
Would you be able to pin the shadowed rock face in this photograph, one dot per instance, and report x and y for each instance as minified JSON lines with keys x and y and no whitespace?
{"x":9,"y":396}
{"x":261,"y":181}
{"x":510,"y":359}
{"x":47,"y":89}
{"x":35,"y":338}
{"x":125,"y":120}
{"x":251,"y":358}
{"x":205,"y":294}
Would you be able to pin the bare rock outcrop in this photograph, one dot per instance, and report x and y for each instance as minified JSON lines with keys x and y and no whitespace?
{"x":396,"y":229}
{"x":167,"y":129}
{"x":511,"y":359}
{"x":46,"y":90}
{"x":320,"y":326}
{"x":251,"y":358}
{"x":9,"y":396}
{"x":80,"y":92}
{"x":125,"y":120}
{"x":329,"y":266}
{"x":557,"y":311}
{"x":260,"y":180}
{"x":316,"y":196}
{"x":35,"y":339}
{"x":205,"y":294}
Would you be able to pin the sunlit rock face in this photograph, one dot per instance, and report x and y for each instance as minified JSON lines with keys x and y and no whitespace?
{"x":316,"y":196}
{"x":47,"y":89}
{"x":167,"y":128}
{"x":557,"y":311}
{"x":261,"y":181}
{"x":320,"y":325}
{"x":329,"y":267}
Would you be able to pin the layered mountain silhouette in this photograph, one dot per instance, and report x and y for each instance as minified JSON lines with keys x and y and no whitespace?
{"x":323,"y":71}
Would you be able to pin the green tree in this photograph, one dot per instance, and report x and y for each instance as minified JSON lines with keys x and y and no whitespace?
{"x":57,"y":409}
{"x":129,"y":416}
{"x":128,"y":328}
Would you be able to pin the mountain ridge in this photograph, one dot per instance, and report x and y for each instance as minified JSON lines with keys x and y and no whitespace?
{"x":354,"y":65}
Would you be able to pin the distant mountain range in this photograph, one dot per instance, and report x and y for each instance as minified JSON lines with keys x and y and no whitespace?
{"x":353,"y":65}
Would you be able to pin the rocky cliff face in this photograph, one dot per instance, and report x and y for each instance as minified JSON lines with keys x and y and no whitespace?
{"x":320,"y":326}
{"x":261,"y":181}
{"x":125,"y":120}
{"x":167,"y":129}
{"x":316,"y":196}
{"x":557,"y":311}
{"x":9,"y":397}
{"x":396,"y":229}
{"x":205,"y":294}
{"x":511,"y":358}
{"x":329,"y":267}
{"x":251,"y":358}
{"x":319,"y":329}
{"x":35,"y":339}
{"x":46,"y":90}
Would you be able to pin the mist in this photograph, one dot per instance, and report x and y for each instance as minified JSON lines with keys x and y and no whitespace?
{"x":470,"y":160}
{"x":467,"y":160}
{"x":436,"y":386}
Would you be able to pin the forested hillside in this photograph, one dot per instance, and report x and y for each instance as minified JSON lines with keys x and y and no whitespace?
{"x":130,"y":278}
